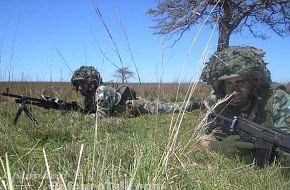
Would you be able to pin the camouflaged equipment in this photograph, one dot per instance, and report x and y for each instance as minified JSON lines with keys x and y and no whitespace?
{"x":107,"y":98}
{"x":237,"y":61}
{"x":126,"y":94}
{"x":87,"y":74}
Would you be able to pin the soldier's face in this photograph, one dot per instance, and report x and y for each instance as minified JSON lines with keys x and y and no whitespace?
{"x":241,"y":88}
{"x":83,"y":87}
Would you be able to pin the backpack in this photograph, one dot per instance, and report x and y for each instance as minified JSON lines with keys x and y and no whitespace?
{"x":126,"y":94}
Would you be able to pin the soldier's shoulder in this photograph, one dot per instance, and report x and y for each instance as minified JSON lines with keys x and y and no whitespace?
{"x":280,"y":90}
{"x":281,"y":94}
{"x":281,"y":110}
{"x":281,"y":101}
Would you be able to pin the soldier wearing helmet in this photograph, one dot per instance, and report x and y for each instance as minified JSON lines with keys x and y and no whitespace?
{"x":240,"y":73}
{"x":106,"y":101}
{"x":99,"y":97}
{"x":86,"y":80}
{"x":241,"y":70}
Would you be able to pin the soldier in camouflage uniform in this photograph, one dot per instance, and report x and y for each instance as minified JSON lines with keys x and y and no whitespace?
{"x":242,"y":73}
{"x":108,"y":102}
{"x":86,"y":80}
{"x":99,"y":97}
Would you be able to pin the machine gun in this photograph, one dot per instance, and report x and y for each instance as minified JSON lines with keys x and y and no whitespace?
{"x":44,"y":102}
{"x":265,"y":140}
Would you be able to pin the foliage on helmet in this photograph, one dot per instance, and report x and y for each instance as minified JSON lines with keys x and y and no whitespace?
{"x":236,"y":61}
{"x":87,"y":74}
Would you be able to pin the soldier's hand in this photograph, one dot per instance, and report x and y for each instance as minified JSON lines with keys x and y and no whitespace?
{"x":204,"y":143}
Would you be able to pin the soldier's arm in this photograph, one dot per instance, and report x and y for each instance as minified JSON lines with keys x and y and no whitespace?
{"x":281,"y":110}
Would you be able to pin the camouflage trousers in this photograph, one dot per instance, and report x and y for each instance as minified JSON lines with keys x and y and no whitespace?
{"x":142,"y":106}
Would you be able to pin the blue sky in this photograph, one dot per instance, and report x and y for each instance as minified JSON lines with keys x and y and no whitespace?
{"x":33,"y":31}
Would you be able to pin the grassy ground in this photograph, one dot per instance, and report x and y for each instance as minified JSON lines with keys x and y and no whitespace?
{"x":69,"y":151}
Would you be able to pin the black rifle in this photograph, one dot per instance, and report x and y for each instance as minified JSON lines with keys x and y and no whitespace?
{"x":45,"y":102}
{"x":265,"y":140}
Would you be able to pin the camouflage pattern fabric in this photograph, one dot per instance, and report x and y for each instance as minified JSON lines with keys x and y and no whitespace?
{"x":268,"y":109}
{"x":108,"y":102}
{"x":277,"y":113}
{"x":106,"y":98}
{"x":142,"y":106}
{"x":281,"y":110}
{"x":126,"y":94}
{"x":90,"y":104}
{"x":87,"y":74}
{"x":276,"y":110}
{"x":237,"y":61}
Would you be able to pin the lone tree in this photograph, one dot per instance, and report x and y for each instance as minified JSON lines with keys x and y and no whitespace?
{"x":123,"y":74}
{"x":177,"y":16}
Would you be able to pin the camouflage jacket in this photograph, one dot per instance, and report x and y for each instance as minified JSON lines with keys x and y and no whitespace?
{"x":106,"y":98}
{"x":281,"y":110}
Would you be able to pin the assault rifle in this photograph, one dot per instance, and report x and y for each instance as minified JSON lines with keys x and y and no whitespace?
{"x":265,"y":140}
{"x":44,"y":102}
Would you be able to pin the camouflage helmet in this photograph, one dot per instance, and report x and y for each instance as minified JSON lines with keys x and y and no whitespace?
{"x":237,"y":61}
{"x":87,"y":74}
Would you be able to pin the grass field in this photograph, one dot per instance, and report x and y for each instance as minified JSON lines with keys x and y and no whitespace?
{"x":73,"y":151}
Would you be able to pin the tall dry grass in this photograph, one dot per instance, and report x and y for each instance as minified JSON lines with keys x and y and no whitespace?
{"x":151,"y":91}
{"x":167,"y":91}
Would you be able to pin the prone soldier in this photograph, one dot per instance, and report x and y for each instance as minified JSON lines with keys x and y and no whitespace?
{"x":107,"y":101}
{"x":240,"y":73}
